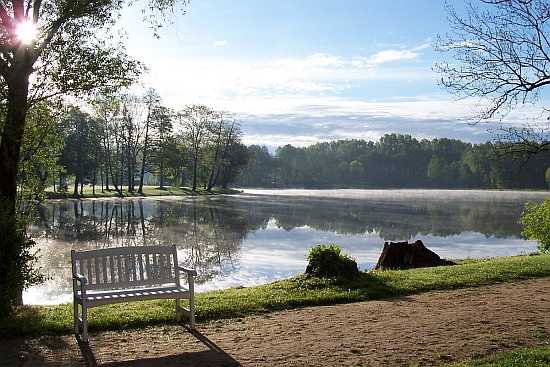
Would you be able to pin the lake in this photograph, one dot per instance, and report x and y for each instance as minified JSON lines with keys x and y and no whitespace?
{"x":263,"y":235}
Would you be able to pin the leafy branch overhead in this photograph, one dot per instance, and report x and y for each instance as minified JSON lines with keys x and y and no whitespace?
{"x":500,"y":51}
{"x":74,"y":48}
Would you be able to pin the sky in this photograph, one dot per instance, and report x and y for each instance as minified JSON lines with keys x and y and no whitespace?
{"x":301,"y":72}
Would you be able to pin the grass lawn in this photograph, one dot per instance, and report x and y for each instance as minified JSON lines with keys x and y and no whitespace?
{"x":525,"y":357}
{"x":147,"y":191}
{"x":286,"y":294}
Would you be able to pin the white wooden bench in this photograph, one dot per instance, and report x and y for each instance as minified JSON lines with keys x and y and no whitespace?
{"x":126,"y":274}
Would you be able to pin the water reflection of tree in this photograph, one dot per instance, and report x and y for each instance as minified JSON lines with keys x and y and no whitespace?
{"x":209,"y":231}
{"x":391,"y":220}
{"x":207,"y":237}
{"x":213,"y":228}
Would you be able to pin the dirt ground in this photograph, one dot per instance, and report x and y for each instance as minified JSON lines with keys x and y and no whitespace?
{"x":428,"y":329}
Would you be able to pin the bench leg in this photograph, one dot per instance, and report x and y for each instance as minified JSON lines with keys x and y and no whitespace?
{"x":192,"y":311}
{"x":179,"y":311}
{"x":84,"y":324}
{"x":75,"y":316}
{"x":191,"y":282}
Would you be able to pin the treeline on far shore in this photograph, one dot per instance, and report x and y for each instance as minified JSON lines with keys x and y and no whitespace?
{"x":396,"y":161}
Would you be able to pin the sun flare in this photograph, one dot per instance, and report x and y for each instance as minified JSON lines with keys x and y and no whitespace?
{"x":26,"y":32}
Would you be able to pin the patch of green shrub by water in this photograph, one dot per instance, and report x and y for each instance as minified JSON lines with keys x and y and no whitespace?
{"x":536,"y":224}
{"x":328,"y":261}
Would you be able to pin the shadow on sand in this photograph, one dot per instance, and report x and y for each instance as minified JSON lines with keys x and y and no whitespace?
{"x":215,"y":356}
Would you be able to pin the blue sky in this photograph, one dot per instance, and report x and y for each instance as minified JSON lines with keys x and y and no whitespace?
{"x":305,"y":71}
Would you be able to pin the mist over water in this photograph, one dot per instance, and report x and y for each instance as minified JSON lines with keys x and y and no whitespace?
{"x":263,"y":235}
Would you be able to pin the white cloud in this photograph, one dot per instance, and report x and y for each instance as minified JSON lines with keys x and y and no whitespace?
{"x":301,"y":121}
{"x":392,"y":55}
{"x":183,"y":81}
{"x":220,"y":43}
{"x":303,"y":100}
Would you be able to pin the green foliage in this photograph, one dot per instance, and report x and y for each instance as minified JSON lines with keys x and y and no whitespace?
{"x":394,"y":161}
{"x":327,"y":261}
{"x":42,"y":147}
{"x":237,"y":157}
{"x":286,"y":294}
{"x":536,"y":223}
{"x":40,"y":150}
{"x":82,"y":135}
{"x":18,"y":265}
{"x":524,"y":357}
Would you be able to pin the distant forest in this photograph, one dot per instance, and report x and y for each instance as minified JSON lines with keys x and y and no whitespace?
{"x":395,"y":161}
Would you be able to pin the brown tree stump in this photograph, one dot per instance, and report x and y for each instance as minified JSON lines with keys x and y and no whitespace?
{"x":405,"y":255}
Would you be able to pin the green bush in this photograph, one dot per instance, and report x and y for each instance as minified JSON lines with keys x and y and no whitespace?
{"x":536,"y":224}
{"x":328,"y":261}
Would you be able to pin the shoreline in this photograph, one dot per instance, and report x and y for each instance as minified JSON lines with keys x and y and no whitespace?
{"x":149,"y":192}
{"x":288,"y":294}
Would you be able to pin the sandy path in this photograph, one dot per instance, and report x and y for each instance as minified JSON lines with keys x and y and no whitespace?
{"x":430,"y":328}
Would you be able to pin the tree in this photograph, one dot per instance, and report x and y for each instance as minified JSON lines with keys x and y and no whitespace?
{"x":78,"y":156}
{"x":71,"y":53}
{"x":226,"y":133}
{"x":260,"y":168}
{"x":134,"y":121}
{"x":195,"y":122}
{"x":107,"y":108}
{"x":236,"y":157}
{"x":394,"y":161}
{"x":151,"y":100}
{"x":164,"y":148}
{"x":501,"y":55}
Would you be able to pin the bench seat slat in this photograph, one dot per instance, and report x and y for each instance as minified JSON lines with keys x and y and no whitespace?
{"x":96,"y":268}
{"x":105,"y":278}
{"x":119,"y":269}
{"x":140,"y":262}
{"x":102,"y":298}
{"x":112,"y":269}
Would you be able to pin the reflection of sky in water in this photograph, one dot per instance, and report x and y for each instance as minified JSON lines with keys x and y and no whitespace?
{"x":257,"y":238}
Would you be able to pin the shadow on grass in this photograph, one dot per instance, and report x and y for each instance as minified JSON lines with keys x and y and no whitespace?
{"x":33,"y":352}
{"x":214,"y":356}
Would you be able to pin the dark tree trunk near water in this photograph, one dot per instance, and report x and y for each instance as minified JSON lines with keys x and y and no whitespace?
{"x":11,"y":239}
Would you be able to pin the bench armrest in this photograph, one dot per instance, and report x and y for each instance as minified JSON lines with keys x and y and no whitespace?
{"x":80,"y":278}
{"x":188,"y":271}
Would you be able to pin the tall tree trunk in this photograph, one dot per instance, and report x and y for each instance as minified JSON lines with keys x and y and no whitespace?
{"x":182,"y":176}
{"x":161,"y":175}
{"x":93,"y":182}
{"x":12,"y":238}
{"x":101,"y":178}
{"x":213,"y":174}
{"x":195,"y":173}
{"x":107,"y":179}
{"x":144,"y":155}
{"x":75,"y":191}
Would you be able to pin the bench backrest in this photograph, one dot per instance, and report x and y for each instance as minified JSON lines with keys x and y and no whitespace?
{"x":127,"y":267}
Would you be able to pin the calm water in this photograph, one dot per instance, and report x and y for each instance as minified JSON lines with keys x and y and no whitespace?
{"x":263,"y":235}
